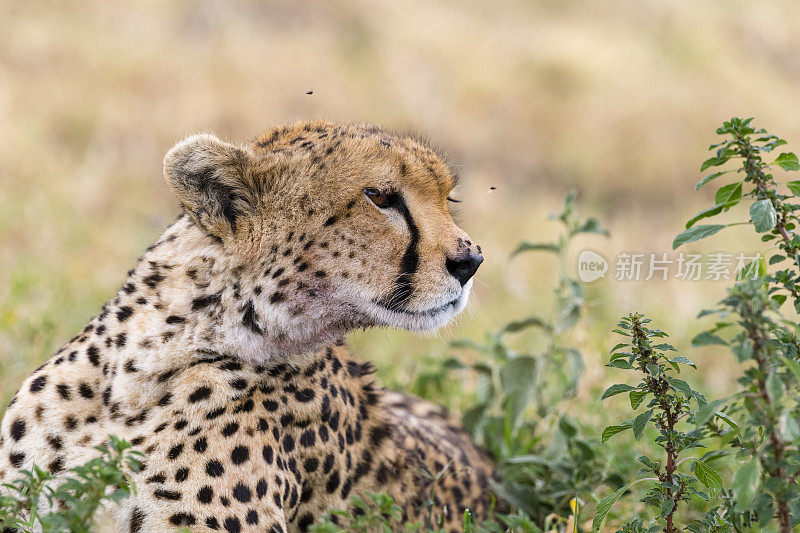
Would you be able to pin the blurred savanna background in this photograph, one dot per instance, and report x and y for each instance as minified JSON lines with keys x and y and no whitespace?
{"x":530,"y":98}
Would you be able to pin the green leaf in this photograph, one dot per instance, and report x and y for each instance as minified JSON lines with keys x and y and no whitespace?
{"x":731,"y":422}
{"x":705,"y":213}
{"x":667,"y":506}
{"x":610,"y":431}
{"x":763,"y":215}
{"x":787,"y":161}
{"x":607,"y":503}
{"x":528,"y":459}
{"x":536,"y":246}
{"x":777,"y":258}
{"x":706,"y":411}
{"x":681,"y":386}
{"x":794,"y":186}
{"x":709,"y":178}
{"x":683,"y":359}
{"x":745,"y":483}
{"x":640,"y":422}
{"x":696,"y":233}
{"x":519,"y":325}
{"x":592,"y":226}
{"x":790,"y":429}
{"x":618,"y":346}
{"x":663,"y":347}
{"x":707,"y":476}
{"x":636,"y":397}
{"x":707,"y":338}
{"x":729,"y":194}
{"x":792,"y":365}
{"x":774,"y":387}
{"x":714,"y":162}
{"x":779,"y":298}
{"x":618,"y":388}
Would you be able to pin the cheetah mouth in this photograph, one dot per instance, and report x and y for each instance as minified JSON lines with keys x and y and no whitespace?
{"x":394,"y":314}
{"x":427,"y":312}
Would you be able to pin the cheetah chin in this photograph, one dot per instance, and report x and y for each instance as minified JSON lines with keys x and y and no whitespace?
{"x":425,"y":320}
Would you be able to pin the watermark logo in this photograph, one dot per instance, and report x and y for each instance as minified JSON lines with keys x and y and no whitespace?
{"x":683,"y":266}
{"x":591,"y":266}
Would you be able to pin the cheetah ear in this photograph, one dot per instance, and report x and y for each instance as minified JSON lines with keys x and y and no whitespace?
{"x":209,"y":177}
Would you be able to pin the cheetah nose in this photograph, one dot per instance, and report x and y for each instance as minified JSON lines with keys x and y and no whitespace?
{"x":465,"y":266}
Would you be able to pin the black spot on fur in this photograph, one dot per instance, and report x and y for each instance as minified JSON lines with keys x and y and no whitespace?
{"x":205,"y":301}
{"x":305,"y":395}
{"x":137,"y":519}
{"x":267,"y":454}
{"x":182,"y":519}
{"x":38,"y":384}
{"x":16,"y":459}
{"x":162,"y":494}
{"x":214,"y":468}
{"x":94,"y":355}
{"x":240,"y":454}
{"x":153,"y":279}
{"x":333,"y":482}
{"x":232,"y":525}
{"x":86,"y":391}
{"x":250,"y":319}
{"x":215,"y":413}
{"x":230,"y":429}
{"x":261,"y":488}
{"x":205,"y":495}
{"x":200,"y":393}
{"x":242,"y":493}
{"x":182,"y":474}
{"x":55,"y":442}
{"x":175,"y":451}
{"x":277,"y":297}
{"x":200,"y":445}
{"x":305,"y":521}
{"x":17,"y":429}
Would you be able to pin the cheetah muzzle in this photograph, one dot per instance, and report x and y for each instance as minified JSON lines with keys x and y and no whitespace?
{"x":220,"y":357}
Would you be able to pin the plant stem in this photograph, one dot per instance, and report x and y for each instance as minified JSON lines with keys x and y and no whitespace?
{"x":659,"y":386}
{"x":760,"y":347}
{"x":753,"y":168}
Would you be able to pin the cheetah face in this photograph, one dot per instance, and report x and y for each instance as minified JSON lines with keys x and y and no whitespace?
{"x":340,"y":226}
{"x":417,"y":267}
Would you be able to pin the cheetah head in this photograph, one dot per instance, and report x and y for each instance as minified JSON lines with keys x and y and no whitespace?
{"x":330,"y":227}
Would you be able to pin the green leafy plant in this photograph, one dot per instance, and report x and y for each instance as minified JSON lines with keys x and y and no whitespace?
{"x":765,"y":486}
{"x":379,"y":513}
{"x":678,"y":415}
{"x":79,"y":496}
{"x":543,"y":460}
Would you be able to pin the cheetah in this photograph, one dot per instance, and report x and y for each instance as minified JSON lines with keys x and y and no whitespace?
{"x":221,"y":357}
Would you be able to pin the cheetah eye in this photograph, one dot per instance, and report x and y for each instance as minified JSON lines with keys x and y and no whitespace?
{"x":380,"y":198}
{"x":449,"y":199}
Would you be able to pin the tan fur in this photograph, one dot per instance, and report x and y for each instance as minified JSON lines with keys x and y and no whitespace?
{"x":215,"y":358}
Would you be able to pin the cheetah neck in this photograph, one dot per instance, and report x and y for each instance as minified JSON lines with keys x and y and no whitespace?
{"x":186,"y":298}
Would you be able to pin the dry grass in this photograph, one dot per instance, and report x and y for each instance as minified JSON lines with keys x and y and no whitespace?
{"x":616,"y":98}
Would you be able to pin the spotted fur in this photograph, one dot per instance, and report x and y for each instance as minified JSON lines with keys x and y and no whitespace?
{"x":219,"y":358}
